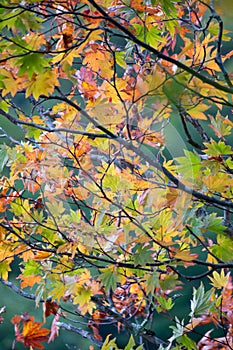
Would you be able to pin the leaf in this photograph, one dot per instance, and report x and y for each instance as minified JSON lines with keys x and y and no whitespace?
{"x":177,"y":330}
{"x":58,"y":290}
{"x":132,"y":345}
{"x":198,"y":111}
{"x":218,"y":182}
{"x":169,"y":282}
{"x":109,"y":344}
{"x":42,"y":84}
{"x":217,"y":148}
{"x":56,"y":208}
{"x":83,"y":298}
{"x":220,"y":125}
{"x":224,"y":248}
{"x":184,"y":254}
{"x":189,"y":165}
{"x":8,"y":83}
{"x":186,"y":342}
{"x":32,"y":335}
{"x":31,"y":63}
{"x":142,"y":256}
{"x":50,"y":308}
{"x":109,"y":278}
{"x":4,"y":269}
{"x":201,"y":301}
{"x":54,"y":328}
{"x":31,"y":268}
{"x":153,"y":37}
{"x":163,"y":303}
{"x":98,"y":59}
{"x":219,"y":280}
{"x":152,"y":282}
{"x":120,"y":59}
{"x":29,"y":281}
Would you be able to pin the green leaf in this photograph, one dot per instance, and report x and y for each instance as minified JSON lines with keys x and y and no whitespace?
{"x":58,"y":290}
{"x":142,"y":256}
{"x":109,"y":344}
{"x":109,"y":278}
{"x":217,"y":149}
{"x":32,"y":268}
{"x":169,"y":8}
{"x":152,"y":281}
{"x":83,"y":297}
{"x":153,"y":37}
{"x":16,"y":207}
{"x":132,"y":345}
{"x":224,"y":248}
{"x":120,"y":59}
{"x":4,"y":269}
{"x":31,"y":63}
{"x":173,"y":89}
{"x":56,"y":208}
{"x":219,"y":280}
{"x":169,"y":282}
{"x":163,"y":303}
{"x":186,"y":342}
{"x":201,"y":302}
{"x":189,"y":165}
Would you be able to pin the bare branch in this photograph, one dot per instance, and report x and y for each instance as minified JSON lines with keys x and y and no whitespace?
{"x":80,"y":331}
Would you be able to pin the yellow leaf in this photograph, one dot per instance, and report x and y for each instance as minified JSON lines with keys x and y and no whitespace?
{"x":184,"y":255}
{"x":219,"y":280}
{"x":42,"y":84}
{"x":197,"y":111}
{"x":10,"y":83}
{"x":66,"y":58}
{"x":219,"y":182}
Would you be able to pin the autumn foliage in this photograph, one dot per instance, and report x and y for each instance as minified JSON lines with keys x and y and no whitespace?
{"x":117,"y":164}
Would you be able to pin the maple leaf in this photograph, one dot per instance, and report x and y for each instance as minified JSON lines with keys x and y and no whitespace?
{"x":32,"y":334}
{"x":8,"y":82}
{"x":95,"y":56}
{"x":42,"y":84}
{"x":29,"y":281}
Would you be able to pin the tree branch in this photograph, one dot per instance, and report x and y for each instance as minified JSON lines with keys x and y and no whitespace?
{"x":80,"y":331}
{"x":135,"y":328}
{"x":152,"y":161}
{"x":160,"y":54}
{"x":15,"y":121}
{"x":18,"y":290}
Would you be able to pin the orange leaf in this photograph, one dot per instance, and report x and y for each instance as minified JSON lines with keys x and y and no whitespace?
{"x":33,"y":334}
{"x":41,"y":255}
{"x":29,"y":281}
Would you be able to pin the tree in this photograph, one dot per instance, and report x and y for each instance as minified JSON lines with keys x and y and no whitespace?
{"x":105,"y":215}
